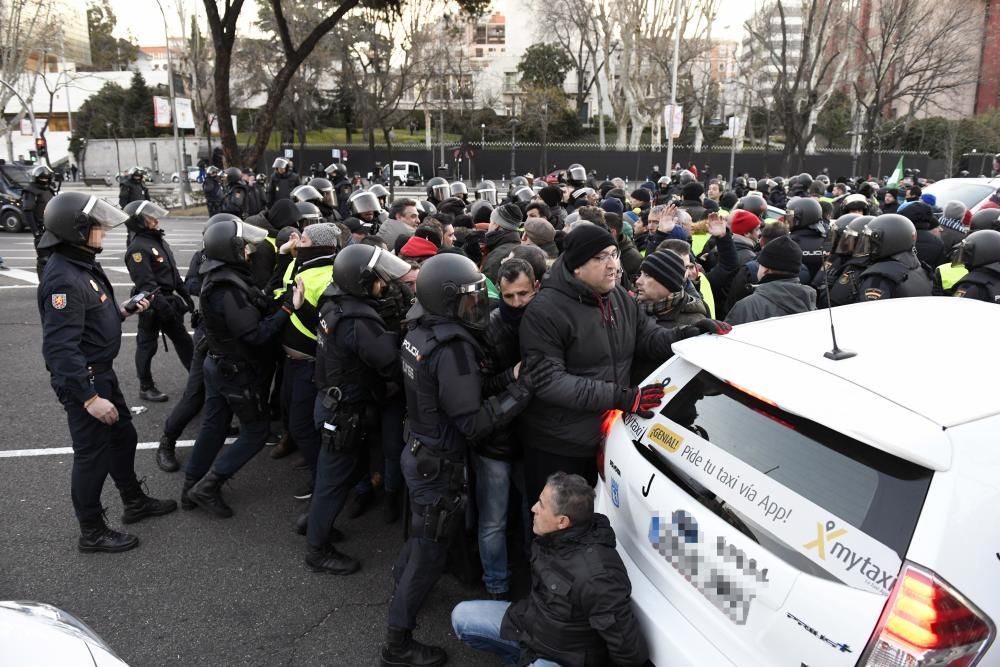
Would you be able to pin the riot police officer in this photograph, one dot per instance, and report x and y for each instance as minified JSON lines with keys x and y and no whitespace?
{"x":81,"y":336}
{"x":151,"y":266}
{"x":438,"y":190}
{"x":357,"y":368}
{"x":460,"y":191}
{"x":804,"y":217}
{"x":337,"y":173}
{"x":848,"y":260}
{"x":979,"y":252}
{"x":328,"y":199}
{"x":442,"y":382}
{"x":380,"y":193}
{"x":576,"y":176}
{"x":237,"y":199}
{"x":283,"y":180}
{"x":239,"y":325}
{"x":34,"y":198}
{"x":133,"y":188}
{"x":212,"y":189}
{"x":894,"y":271}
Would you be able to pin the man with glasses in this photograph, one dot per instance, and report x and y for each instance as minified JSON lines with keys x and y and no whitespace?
{"x":582,"y":332}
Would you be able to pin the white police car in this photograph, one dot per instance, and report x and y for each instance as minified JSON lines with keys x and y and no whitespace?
{"x":783,"y":508}
{"x":38,"y":634}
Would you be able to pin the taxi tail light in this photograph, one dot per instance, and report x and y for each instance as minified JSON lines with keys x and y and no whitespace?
{"x":927,"y":623}
{"x":609,"y":420}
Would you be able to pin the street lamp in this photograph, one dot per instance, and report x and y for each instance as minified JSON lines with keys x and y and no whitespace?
{"x":118,"y":154}
{"x":482,"y":136}
{"x":181,"y":173}
{"x":513,"y":147}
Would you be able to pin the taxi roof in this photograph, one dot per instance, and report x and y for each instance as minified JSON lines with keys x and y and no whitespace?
{"x":934,"y":356}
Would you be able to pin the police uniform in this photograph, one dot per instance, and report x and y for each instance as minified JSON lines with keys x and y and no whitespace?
{"x":344,"y":189}
{"x":237,"y":200}
{"x":151,"y":264}
{"x":357,"y":361}
{"x":901,"y":275}
{"x":442,"y":381}
{"x":237,"y":327}
{"x":811,"y":242}
{"x":34,"y":199}
{"x":982,"y":283}
{"x":280,"y":186}
{"x":213,"y":194}
{"x":132,"y":190}
{"x":844,"y":286}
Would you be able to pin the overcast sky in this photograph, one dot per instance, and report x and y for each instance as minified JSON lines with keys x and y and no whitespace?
{"x":143,"y":20}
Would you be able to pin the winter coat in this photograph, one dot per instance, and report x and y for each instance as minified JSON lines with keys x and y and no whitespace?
{"x":630,"y":256}
{"x":499,"y":243}
{"x":583,"y":345}
{"x":930,"y":248}
{"x":391,"y":229}
{"x":501,"y":353}
{"x":578,"y":612}
{"x":689,"y":309}
{"x":773,"y":298}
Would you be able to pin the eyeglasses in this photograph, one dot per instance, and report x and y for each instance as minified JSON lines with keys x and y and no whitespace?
{"x":605,"y":257}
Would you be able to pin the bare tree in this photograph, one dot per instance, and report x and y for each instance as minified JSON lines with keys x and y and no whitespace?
{"x":912,"y":54}
{"x":800,"y":47}
{"x":22,"y":23}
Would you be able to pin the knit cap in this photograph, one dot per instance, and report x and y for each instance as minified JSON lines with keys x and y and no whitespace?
{"x":666,"y":268}
{"x":507,"y":216}
{"x":583,"y":243}
{"x":781,"y":254}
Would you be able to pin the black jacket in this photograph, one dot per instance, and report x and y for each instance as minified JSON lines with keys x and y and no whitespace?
{"x":131,"y":191}
{"x":811,"y":241}
{"x":499,"y":243}
{"x":695,"y":208}
{"x":631,"y":258}
{"x":683,"y":310}
{"x":982,"y":283}
{"x":930,"y":248}
{"x":151,"y":264}
{"x":578,"y":613}
{"x":584,"y":344}
{"x":34,"y":198}
{"x":898,"y":276}
{"x":280,"y":186}
{"x":773,"y":297}
{"x":502,"y":351}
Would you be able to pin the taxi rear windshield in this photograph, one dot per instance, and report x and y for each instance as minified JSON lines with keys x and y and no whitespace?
{"x":880,"y":494}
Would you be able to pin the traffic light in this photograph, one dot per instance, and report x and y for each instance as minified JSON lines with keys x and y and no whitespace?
{"x":41,"y":147}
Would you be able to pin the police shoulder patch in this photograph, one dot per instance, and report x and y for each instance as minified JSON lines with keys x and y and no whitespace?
{"x":58,"y":301}
{"x":137,"y":257}
{"x":873,"y":294}
{"x":844,"y":279}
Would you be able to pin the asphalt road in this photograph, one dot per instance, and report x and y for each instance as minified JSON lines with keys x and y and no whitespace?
{"x":197,"y":590}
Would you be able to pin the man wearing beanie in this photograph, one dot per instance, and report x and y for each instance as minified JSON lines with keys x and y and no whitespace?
{"x":780,"y":291}
{"x":501,"y":237}
{"x":930,"y":247}
{"x":579,"y":336}
{"x":691,"y":202}
{"x":540,"y":233}
{"x":553,"y":198}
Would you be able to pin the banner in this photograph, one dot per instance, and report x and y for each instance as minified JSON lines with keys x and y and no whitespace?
{"x":161,"y":111}
{"x":185,"y":115}
{"x":678,"y":116}
{"x":214,"y":124}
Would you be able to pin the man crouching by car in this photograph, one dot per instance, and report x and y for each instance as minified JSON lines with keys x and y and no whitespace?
{"x":578,"y":613}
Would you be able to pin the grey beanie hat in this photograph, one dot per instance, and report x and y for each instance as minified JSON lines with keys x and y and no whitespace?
{"x":324,"y":234}
{"x":954,"y":209}
{"x":508,"y":217}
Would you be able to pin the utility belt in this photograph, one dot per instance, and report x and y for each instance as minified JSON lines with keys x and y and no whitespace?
{"x":432,"y":466}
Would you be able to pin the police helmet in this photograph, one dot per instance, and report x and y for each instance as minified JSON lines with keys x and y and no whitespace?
{"x":260,"y":179}
{"x":136,"y":173}
{"x":323,"y":185}
{"x":805,"y":180}
{"x":576,"y":174}
{"x":380,"y":192}
{"x":280,"y":164}
{"x":887,"y":235}
{"x":478,"y":204}
{"x":425,"y":208}
{"x":305,"y":193}
{"x":685,"y":176}
{"x":309,"y":213}
{"x":755,"y":204}
{"x":228,"y":239}
{"x":337,"y":169}
{"x":837,"y":228}
{"x":232,"y":175}
{"x":978,"y":249}
{"x":140,"y":209}
{"x":438,"y":188}
{"x":779,"y":181}
{"x":515,"y":183}
{"x":458,"y":189}
{"x":70,"y":215}
{"x":855,"y":202}
{"x":450,"y":285}
{"x":987,"y":218}
{"x":803,"y":213}
{"x":213,"y":171}
{"x":364,"y":202}
{"x":358,"y":266}
{"x":752,"y":183}
{"x":487,"y":191}
{"x":663,"y":185}
{"x":849,"y":235}
{"x":524,"y":194}
{"x":824,"y":179}
{"x":41,"y":174}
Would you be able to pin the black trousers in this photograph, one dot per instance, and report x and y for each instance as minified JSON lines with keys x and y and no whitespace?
{"x":191,"y":402}
{"x":538,"y":465}
{"x":99,"y":449}
{"x":151,"y":323}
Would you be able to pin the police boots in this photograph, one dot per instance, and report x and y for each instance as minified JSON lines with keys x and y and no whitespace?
{"x":330,"y":561}
{"x":186,"y":503}
{"x":402,"y":649}
{"x":166,"y":459}
{"x":152,"y":394}
{"x":207,"y":494}
{"x":138,"y":505}
{"x":96,"y":536}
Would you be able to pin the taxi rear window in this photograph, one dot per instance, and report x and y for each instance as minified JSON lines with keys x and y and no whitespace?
{"x":880,"y":494}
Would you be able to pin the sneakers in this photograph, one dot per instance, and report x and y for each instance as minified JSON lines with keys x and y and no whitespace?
{"x":153,"y":395}
{"x":305,"y":492}
{"x":95,"y":536}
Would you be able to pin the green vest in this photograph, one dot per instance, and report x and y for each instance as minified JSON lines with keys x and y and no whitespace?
{"x":315,"y":280}
{"x":950,"y":275}
{"x":698,"y":242}
{"x":705,"y":288}
{"x":286,"y":280}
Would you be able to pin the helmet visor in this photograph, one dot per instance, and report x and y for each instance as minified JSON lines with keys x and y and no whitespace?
{"x":488,"y":195}
{"x":251,"y":234}
{"x":364,"y":202}
{"x":846,"y":242}
{"x":306,"y":193}
{"x":865,"y":244}
{"x":577,"y":174}
{"x":458,"y":188}
{"x":104,"y":214}
{"x":280,"y":163}
{"x":152,"y":210}
{"x":387,"y":266}
{"x":473,"y":307}
{"x":961,"y":255}
{"x":441,"y":192}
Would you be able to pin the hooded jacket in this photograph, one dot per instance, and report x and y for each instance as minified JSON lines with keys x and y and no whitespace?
{"x":578,"y":613}
{"x":583,"y":344}
{"x":773,"y":297}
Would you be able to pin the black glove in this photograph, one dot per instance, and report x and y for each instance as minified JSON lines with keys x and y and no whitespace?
{"x":195,"y":319}
{"x":188,"y":302}
{"x":647,"y":399}
{"x":704,"y":326}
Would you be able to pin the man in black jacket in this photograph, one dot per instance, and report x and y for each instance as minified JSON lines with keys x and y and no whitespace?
{"x":578,"y":612}
{"x":780,"y":290}
{"x":583,"y":331}
{"x":501,"y":238}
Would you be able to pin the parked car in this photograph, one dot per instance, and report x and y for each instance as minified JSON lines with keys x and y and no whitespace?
{"x":34,"y":633}
{"x":403,"y":173}
{"x":973,"y":192}
{"x":193,"y":174}
{"x":785,"y":508}
{"x":13,"y":178}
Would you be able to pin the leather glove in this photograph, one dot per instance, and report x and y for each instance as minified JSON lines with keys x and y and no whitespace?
{"x":188,"y":302}
{"x":195,"y":319}
{"x":641,"y":401}
{"x":704,"y":326}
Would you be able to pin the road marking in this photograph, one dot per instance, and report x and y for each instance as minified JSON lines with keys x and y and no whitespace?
{"x":133,"y":335}
{"x":19,"y":274}
{"x":57,"y":451}
{"x":36,"y":286}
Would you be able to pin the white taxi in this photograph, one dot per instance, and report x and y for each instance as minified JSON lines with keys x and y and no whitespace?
{"x":786,"y":508}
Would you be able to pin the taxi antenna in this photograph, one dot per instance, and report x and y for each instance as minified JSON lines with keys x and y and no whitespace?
{"x":836,"y":354}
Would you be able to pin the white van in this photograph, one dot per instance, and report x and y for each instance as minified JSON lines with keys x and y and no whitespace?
{"x":403,"y":173}
{"x":783,"y":508}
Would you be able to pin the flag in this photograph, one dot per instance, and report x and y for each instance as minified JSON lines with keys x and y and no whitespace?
{"x":897,"y":174}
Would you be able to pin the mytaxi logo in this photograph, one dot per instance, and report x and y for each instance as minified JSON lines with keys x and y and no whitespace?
{"x":664,"y":437}
{"x":824,"y":534}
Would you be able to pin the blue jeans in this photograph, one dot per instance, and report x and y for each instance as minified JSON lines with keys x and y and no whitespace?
{"x":492,"y":500}
{"x":477,"y":624}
